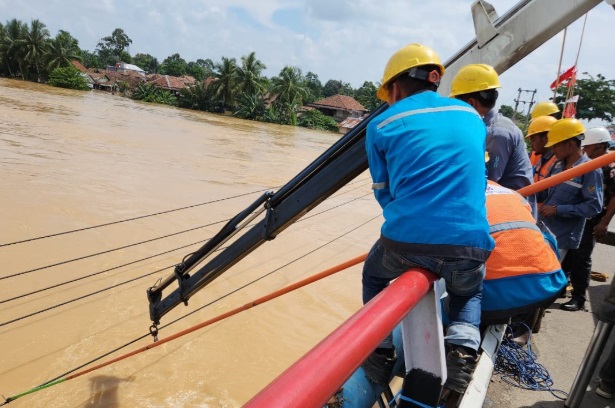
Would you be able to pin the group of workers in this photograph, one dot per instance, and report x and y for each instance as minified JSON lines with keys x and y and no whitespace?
{"x":444,"y":171}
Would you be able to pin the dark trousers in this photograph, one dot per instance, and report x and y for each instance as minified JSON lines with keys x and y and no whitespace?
{"x":607,"y":372}
{"x":578,"y":262}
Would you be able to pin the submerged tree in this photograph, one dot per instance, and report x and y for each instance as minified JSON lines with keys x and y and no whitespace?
{"x":12,"y":57}
{"x":63,"y":49}
{"x":32,"y":47}
{"x":68,"y":77}
{"x":226,"y":84}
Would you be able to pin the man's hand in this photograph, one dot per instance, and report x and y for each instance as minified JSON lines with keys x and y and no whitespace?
{"x":600,"y":229}
{"x":547,"y":210}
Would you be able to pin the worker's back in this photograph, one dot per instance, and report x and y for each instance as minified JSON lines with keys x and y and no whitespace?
{"x":430,"y":150}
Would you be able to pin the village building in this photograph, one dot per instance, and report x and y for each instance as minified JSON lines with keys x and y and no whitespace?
{"x":339,"y":107}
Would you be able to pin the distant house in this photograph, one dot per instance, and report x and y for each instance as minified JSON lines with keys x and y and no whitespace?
{"x":350,"y":122}
{"x":123,"y":67}
{"x":170,"y":83}
{"x":339,"y":107}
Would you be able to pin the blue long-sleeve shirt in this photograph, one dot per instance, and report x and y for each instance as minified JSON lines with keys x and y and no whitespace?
{"x":575,"y":200}
{"x":509,"y":164}
{"x":426,"y":157}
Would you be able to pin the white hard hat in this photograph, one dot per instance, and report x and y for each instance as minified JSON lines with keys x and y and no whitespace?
{"x":596,"y":135}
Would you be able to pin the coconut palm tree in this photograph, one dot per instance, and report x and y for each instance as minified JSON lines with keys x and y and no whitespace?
{"x":62,"y":51}
{"x":226,"y":85}
{"x":289,"y":86}
{"x":290,"y":90}
{"x":10,"y":35}
{"x":33,"y":45}
{"x":249,"y":78}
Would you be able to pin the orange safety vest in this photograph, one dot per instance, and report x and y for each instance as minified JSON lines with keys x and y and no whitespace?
{"x":534,"y":158}
{"x":541,"y":172}
{"x":522,"y":272}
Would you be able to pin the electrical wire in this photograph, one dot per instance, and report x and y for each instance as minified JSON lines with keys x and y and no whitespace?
{"x":66,"y":376}
{"x":126,"y":220}
{"x":519,"y":368}
{"x":130,"y":280}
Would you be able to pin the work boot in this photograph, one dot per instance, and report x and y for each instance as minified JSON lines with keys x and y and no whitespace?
{"x":378,"y":366}
{"x":604,"y":390}
{"x":460,"y":365}
{"x":573,"y":305}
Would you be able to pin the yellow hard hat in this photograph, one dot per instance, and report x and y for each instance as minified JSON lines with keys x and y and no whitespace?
{"x":544,"y":109}
{"x":410,"y":56}
{"x":564,"y":129}
{"x":474,"y":78}
{"x":540,"y":124}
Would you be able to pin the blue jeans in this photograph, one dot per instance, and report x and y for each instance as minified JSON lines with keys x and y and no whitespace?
{"x":464,"y":283}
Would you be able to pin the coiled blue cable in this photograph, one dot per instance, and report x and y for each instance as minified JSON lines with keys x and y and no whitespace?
{"x":518,"y":366}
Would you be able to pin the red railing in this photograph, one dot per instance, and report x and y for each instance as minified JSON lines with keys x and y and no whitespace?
{"x":313,"y":379}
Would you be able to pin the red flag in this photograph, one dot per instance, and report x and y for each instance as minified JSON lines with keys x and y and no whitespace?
{"x":570,"y":110}
{"x":573,"y":80}
{"x":563,"y":77}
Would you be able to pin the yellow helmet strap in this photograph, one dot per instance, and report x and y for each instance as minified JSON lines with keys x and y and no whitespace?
{"x":431,"y":76}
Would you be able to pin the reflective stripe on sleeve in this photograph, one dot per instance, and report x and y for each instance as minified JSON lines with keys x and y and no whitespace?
{"x":427,"y":110}
{"x":513,"y":225}
{"x":380,"y":186}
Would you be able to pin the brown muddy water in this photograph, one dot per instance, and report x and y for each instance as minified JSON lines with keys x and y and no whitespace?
{"x":71,"y":160}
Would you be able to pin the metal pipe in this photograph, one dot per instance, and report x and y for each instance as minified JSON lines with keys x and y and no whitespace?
{"x":312,"y":380}
{"x":588,"y":364}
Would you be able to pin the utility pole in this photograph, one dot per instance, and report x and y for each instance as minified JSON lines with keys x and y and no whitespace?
{"x":530,"y":103}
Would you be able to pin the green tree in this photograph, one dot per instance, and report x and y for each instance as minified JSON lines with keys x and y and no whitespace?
{"x":174,"y":65}
{"x":314,"y":85}
{"x":33,"y":46}
{"x":226,"y":84}
{"x":201,"y":96}
{"x":596,"y":97}
{"x":110,"y":49}
{"x":315,"y":119}
{"x":207,"y":65}
{"x":249,"y":78}
{"x":63,"y":49}
{"x":68,"y":77}
{"x":251,"y":106}
{"x":331,"y":88}
{"x":11,"y":59}
{"x":290,"y":90}
{"x":510,"y":113}
{"x":147,"y":62}
{"x":366,"y":96}
{"x":91,"y":60}
{"x":195,"y":70}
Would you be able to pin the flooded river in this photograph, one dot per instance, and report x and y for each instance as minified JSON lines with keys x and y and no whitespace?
{"x":73,"y":160}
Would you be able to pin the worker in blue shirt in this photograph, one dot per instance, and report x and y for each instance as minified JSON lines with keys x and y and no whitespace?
{"x":426,"y":158}
{"x":509,"y":164}
{"x":569,"y":204}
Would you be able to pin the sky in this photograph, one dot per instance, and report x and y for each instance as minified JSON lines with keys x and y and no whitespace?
{"x":347,"y":40}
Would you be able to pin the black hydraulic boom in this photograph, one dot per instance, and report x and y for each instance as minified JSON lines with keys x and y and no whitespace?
{"x":337,"y":166}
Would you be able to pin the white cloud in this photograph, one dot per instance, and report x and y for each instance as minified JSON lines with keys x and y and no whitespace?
{"x":341,"y":39}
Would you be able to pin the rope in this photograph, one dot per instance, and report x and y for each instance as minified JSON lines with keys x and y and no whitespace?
{"x":206,"y":323}
{"x":570,"y":91}
{"x":519,"y":368}
{"x":126,"y":220}
{"x":559,"y":65}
